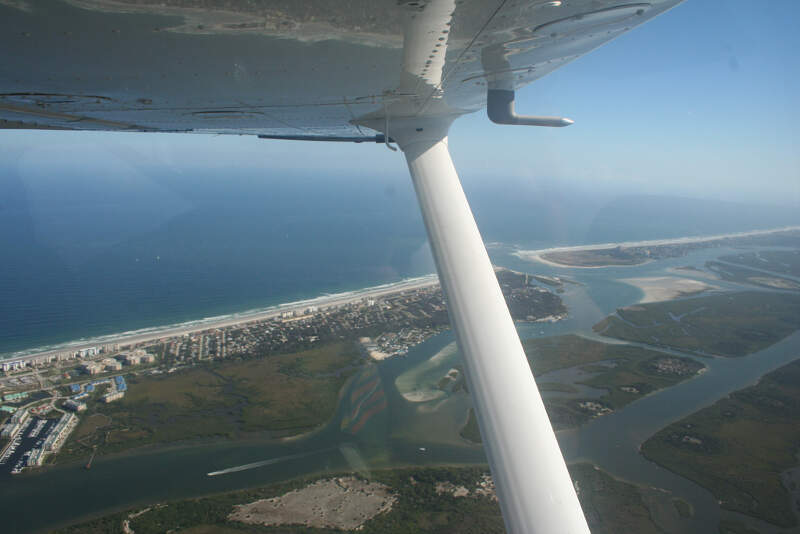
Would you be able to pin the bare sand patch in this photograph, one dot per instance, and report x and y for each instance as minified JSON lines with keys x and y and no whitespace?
{"x":659,"y":288}
{"x":345,"y":503}
{"x":425,"y":395}
{"x":372,"y":350}
{"x":777,"y":283}
{"x":452,"y":489}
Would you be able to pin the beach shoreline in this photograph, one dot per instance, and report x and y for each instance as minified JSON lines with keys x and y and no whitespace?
{"x":538,"y":254}
{"x":338,"y":299}
{"x":223,"y":321}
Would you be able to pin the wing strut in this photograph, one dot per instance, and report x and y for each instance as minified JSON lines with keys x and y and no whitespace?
{"x":534,"y":487}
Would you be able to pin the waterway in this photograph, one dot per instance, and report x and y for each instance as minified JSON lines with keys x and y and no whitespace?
{"x":376,"y":426}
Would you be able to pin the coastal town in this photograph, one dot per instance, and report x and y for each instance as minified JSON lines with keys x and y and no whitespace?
{"x":44,"y":394}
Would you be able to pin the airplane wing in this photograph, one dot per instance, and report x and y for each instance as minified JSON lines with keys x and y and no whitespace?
{"x":354,"y":70}
{"x":281,"y":67}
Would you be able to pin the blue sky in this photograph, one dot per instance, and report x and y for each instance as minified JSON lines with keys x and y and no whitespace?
{"x":700,"y":102}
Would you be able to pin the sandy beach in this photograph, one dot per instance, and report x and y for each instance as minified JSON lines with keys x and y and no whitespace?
{"x":658,"y":288}
{"x":539,"y":257}
{"x":323,"y":301}
{"x":149,"y":334}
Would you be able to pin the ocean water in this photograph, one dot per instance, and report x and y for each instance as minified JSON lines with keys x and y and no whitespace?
{"x":78,"y":264}
{"x":93,"y":254}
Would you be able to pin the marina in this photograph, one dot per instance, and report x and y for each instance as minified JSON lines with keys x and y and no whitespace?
{"x":28,"y":446}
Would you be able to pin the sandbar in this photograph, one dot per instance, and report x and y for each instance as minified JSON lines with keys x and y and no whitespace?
{"x":423,"y":395}
{"x":660,"y":288}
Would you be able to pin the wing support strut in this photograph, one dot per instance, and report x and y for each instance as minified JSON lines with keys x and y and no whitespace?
{"x":534,"y":487}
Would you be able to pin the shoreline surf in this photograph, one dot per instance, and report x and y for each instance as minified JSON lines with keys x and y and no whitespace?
{"x":335,"y":299}
{"x":538,"y":254}
{"x":220,"y":321}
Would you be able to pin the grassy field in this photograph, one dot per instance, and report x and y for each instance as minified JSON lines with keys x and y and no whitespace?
{"x":738,"y":447}
{"x":593,"y":258}
{"x":610,"y":506}
{"x":547,"y":354}
{"x":683,"y":508}
{"x":626,"y":373}
{"x":89,"y":425}
{"x":777,"y":261}
{"x":286,"y":394}
{"x":556,"y":386}
{"x":636,"y":375}
{"x":743,"y":275}
{"x":732,"y":324}
{"x":735,"y":527}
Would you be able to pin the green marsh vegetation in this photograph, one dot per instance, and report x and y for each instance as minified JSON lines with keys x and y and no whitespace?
{"x":738,"y":447}
{"x":729,"y":324}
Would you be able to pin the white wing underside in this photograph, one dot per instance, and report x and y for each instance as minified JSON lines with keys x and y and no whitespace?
{"x":282,"y":67}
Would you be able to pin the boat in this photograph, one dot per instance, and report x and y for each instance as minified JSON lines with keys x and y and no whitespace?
{"x":89,"y":463}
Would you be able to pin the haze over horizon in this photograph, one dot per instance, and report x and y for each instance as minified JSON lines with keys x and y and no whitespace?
{"x":180,"y":246}
{"x":700,"y":102}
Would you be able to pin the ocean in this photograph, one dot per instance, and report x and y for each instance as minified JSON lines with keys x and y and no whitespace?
{"x":87,"y":256}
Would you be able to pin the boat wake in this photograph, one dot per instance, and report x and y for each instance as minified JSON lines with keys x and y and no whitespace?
{"x":263,"y":463}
